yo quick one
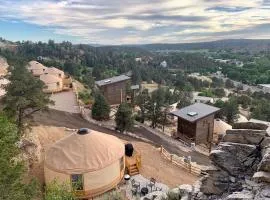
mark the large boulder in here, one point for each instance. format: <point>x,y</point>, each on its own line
<point>250,125</point>
<point>215,182</point>
<point>262,176</point>
<point>244,136</point>
<point>243,195</point>
<point>233,157</point>
<point>265,162</point>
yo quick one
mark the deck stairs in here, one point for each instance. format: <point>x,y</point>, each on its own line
<point>133,163</point>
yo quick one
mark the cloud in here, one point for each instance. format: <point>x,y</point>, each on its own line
<point>142,21</point>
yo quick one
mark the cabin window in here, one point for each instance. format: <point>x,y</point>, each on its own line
<point>77,182</point>
<point>121,163</point>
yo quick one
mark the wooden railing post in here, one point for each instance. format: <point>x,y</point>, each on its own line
<point>171,157</point>
<point>161,149</point>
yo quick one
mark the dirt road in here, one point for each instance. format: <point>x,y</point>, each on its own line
<point>75,121</point>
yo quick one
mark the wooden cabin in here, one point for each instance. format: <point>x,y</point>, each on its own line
<point>195,123</point>
<point>114,89</point>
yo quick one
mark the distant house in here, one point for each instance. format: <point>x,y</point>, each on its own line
<point>52,83</point>
<point>36,68</point>
<point>203,99</point>
<point>114,88</point>
<point>163,64</point>
<point>196,123</point>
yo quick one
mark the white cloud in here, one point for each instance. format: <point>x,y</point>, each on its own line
<point>140,21</point>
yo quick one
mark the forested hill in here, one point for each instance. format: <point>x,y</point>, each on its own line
<point>233,44</point>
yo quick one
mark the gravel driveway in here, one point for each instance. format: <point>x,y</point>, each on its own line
<point>65,101</point>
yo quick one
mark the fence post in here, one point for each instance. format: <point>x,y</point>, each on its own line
<point>190,167</point>
<point>161,149</point>
<point>171,157</point>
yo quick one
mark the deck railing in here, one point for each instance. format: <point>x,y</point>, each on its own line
<point>192,167</point>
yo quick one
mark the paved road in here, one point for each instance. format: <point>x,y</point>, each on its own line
<point>75,121</point>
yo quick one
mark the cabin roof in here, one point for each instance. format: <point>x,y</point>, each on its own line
<point>195,112</point>
<point>112,80</point>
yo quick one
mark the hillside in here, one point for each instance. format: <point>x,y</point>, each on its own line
<point>234,44</point>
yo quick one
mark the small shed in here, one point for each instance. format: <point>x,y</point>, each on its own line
<point>196,123</point>
<point>114,89</point>
<point>90,162</point>
<point>52,83</point>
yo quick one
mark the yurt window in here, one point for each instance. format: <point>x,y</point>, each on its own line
<point>77,181</point>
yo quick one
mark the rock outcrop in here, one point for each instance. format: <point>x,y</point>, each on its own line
<point>241,167</point>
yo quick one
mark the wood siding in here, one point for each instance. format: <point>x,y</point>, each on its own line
<point>204,130</point>
<point>200,132</point>
<point>115,93</point>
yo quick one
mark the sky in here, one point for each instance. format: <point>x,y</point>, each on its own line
<point>134,21</point>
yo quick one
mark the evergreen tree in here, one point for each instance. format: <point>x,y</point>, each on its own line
<point>24,96</point>
<point>13,186</point>
<point>100,109</point>
<point>123,118</point>
<point>231,110</point>
<point>142,100</point>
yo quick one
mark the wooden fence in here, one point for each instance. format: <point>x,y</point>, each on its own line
<point>192,167</point>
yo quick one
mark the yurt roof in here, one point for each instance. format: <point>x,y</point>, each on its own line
<point>84,153</point>
<point>48,78</point>
<point>53,70</point>
<point>34,65</point>
<point>220,127</point>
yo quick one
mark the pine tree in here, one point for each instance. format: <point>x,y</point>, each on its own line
<point>100,109</point>
<point>24,96</point>
<point>123,118</point>
<point>12,184</point>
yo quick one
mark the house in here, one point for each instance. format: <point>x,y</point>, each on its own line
<point>36,68</point>
<point>114,89</point>
<point>3,66</point>
<point>89,162</point>
<point>195,123</point>
<point>52,83</point>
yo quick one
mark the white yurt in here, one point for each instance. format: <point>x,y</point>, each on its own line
<point>54,71</point>
<point>52,83</point>
<point>36,68</point>
<point>90,161</point>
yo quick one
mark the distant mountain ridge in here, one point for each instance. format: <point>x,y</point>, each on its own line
<point>234,44</point>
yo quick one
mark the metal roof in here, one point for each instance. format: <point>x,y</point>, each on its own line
<point>201,110</point>
<point>111,80</point>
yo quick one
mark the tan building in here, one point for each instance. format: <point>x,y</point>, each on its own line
<point>3,66</point>
<point>36,68</point>
<point>196,123</point>
<point>91,162</point>
<point>52,83</point>
<point>54,71</point>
